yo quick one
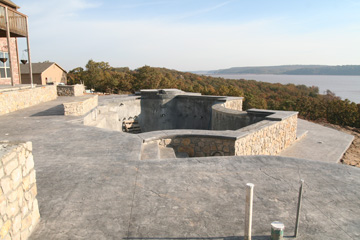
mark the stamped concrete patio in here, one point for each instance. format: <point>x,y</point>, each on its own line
<point>92,185</point>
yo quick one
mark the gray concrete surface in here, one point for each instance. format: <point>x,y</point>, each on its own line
<point>320,143</point>
<point>92,185</point>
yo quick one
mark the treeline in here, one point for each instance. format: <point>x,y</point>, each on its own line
<point>311,105</point>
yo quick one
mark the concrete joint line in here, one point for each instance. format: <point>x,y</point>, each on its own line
<point>133,199</point>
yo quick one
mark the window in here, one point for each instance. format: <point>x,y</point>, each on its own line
<point>5,67</point>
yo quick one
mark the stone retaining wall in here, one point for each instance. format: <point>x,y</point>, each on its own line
<point>15,100</point>
<point>270,136</point>
<point>18,204</point>
<point>80,108</point>
<point>70,90</point>
<point>197,146</point>
<point>270,139</point>
<point>234,104</point>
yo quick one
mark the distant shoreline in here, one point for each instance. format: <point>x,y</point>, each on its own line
<point>214,74</point>
<point>340,70</point>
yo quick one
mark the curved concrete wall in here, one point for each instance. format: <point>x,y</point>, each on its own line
<point>269,136</point>
<point>160,110</point>
<point>111,113</point>
<point>173,109</point>
<point>229,119</point>
<point>186,123</point>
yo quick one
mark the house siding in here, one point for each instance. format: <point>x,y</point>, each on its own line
<point>53,74</point>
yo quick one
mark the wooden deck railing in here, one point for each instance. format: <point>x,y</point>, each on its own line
<point>17,22</point>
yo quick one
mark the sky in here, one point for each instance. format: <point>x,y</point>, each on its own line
<point>193,35</point>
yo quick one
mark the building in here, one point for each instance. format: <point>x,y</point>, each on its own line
<point>13,25</point>
<point>43,73</point>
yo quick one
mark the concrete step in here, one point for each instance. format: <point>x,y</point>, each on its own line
<point>150,151</point>
<point>166,152</point>
<point>300,133</point>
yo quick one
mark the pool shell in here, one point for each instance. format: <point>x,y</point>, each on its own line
<point>196,125</point>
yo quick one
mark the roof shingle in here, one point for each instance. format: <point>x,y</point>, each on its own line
<point>37,68</point>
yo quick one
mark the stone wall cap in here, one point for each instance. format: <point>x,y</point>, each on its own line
<point>226,110</point>
<point>205,97</point>
<point>81,99</point>
<point>117,100</point>
<point>156,135</point>
<point>7,146</point>
<point>275,115</point>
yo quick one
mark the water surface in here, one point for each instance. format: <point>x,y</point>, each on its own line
<point>343,86</point>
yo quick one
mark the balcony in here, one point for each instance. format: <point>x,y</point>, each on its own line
<point>17,23</point>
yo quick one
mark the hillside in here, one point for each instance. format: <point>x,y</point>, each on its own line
<point>293,70</point>
<point>306,100</point>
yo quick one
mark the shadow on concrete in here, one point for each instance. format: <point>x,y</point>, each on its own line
<point>54,111</point>
<point>204,238</point>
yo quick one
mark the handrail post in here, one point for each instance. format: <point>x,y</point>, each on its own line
<point>29,55</point>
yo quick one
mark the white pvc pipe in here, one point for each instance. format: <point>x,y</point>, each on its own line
<point>248,210</point>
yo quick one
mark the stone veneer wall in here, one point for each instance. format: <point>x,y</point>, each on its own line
<point>70,90</point>
<point>197,146</point>
<point>235,104</point>
<point>267,137</point>
<point>18,204</point>
<point>81,107</point>
<point>268,140</point>
<point>18,99</point>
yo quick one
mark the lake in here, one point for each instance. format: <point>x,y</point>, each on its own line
<point>343,86</point>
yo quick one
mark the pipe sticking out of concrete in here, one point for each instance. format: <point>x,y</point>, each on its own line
<point>277,231</point>
<point>299,208</point>
<point>248,210</point>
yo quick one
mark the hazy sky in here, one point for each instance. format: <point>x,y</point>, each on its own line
<point>193,34</point>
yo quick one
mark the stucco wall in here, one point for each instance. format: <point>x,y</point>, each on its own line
<point>14,58</point>
<point>15,100</point>
<point>53,74</point>
<point>18,204</point>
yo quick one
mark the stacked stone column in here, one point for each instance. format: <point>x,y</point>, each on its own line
<point>18,204</point>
